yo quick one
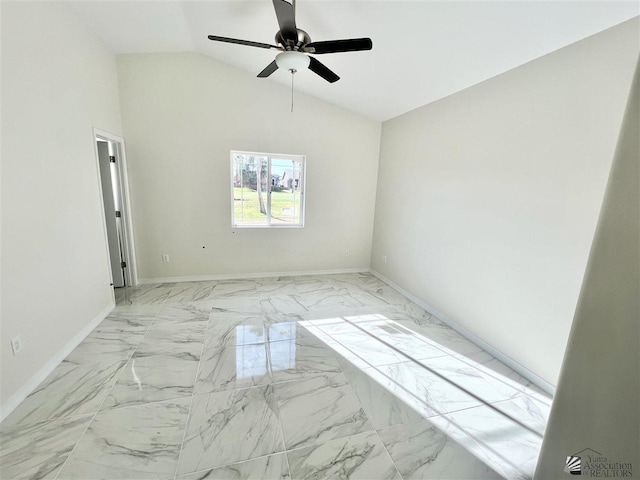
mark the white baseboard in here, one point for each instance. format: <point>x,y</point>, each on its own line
<point>23,392</point>
<point>511,363</point>
<point>238,276</point>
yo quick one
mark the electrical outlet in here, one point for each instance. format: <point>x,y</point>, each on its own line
<point>165,258</point>
<point>16,344</point>
<point>383,258</point>
<point>347,253</point>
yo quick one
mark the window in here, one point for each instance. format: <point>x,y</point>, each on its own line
<point>267,190</point>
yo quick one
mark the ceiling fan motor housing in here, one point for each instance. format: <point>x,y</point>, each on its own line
<point>302,39</point>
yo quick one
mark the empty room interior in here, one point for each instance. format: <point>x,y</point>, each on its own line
<point>398,240</point>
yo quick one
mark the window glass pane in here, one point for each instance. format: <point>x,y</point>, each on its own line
<point>267,190</point>
<point>250,190</point>
<point>286,181</point>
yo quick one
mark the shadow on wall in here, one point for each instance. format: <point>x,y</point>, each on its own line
<point>602,359</point>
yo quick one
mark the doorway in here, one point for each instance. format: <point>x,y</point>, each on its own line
<point>117,214</point>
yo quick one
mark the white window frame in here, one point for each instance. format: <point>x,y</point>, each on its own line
<point>301,186</point>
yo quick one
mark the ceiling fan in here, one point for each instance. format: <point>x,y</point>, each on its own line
<point>295,45</point>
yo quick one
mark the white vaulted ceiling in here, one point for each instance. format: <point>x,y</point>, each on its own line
<point>422,50</point>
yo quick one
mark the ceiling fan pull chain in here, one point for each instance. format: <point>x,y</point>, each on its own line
<point>293,71</point>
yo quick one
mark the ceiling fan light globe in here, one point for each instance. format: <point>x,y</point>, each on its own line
<point>291,60</point>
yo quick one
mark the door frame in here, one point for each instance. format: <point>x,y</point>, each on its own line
<point>129,251</point>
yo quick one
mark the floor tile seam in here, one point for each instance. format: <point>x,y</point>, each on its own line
<point>166,354</point>
<point>280,425</point>
<point>324,442</point>
<point>144,404</point>
<point>490,453</point>
<point>263,342</point>
<point>262,385</point>
<point>235,296</point>
<point>523,390</point>
<point>142,337</point>
<point>520,396</point>
<point>423,417</point>
<point>185,301</point>
<point>437,404</point>
<point>423,338</point>
<point>370,365</point>
<point>355,392</point>
<point>449,438</point>
<point>226,465</point>
<point>270,376</point>
<point>394,362</point>
<point>266,388</point>
<point>123,316</point>
<point>193,395</point>
<point>487,371</point>
<point>296,292</point>
<point>160,322</point>
<point>384,446</point>
<point>498,393</point>
<point>346,383</point>
<point>191,330</point>
<point>286,459</point>
<point>374,427</point>
<point>238,319</point>
<point>493,459</point>
<point>94,415</point>
<point>243,294</point>
<point>184,433</point>
<point>343,345</point>
<point>193,303</point>
<point>126,362</point>
<point>19,426</point>
<point>491,405</point>
<point>296,379</point>
<point>134,303</point>
<point>44,423</point>
<point>118,334</point>
<point>92,363</point>
<point>190,299</point>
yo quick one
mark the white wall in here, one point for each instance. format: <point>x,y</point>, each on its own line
<point>57,83</point>
<point>597,403</point>
<point>487,200</point>
<point>183,113</point>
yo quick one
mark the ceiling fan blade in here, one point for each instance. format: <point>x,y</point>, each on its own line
<point>268,70</point>
<point>336,46</point>
<point>286,19</point>
<point>242,42</point>
<point>316,67</point>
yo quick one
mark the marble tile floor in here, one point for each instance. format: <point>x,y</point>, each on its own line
<point>314,377</point>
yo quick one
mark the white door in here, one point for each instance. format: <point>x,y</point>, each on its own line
<point>111,212</point>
